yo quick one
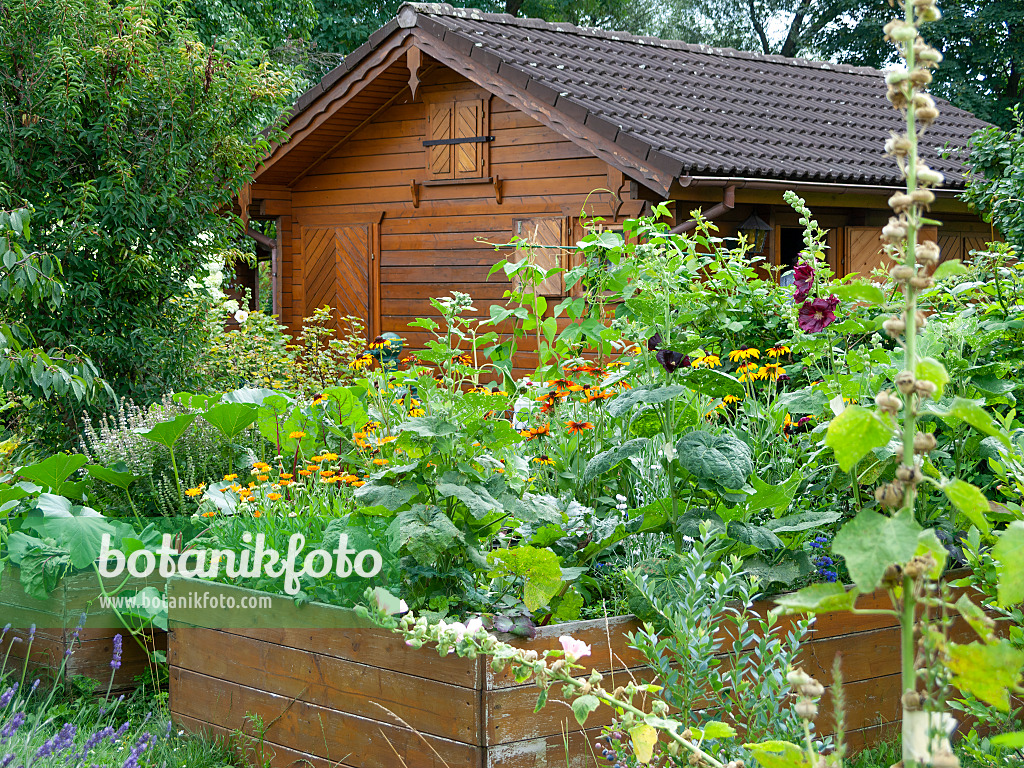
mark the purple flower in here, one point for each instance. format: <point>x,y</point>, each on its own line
<point>120,731</point>
<point>6,696</point>
<point>61,742</point>
<point>8,759</point>
<point>672,361</point>
<point>115,661</point>
<point>144,743</point>
<point>817,315</point>
<point>74,636</point>
<point>803,281</point>
<point>654,342</point>
<point>12,725</point>
<point>93,740</point>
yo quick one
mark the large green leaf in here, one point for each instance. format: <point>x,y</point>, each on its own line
<point>608,460</point>
<point>802,402</point>
<point>785,569</point>
<point>778,754</point>
<point>167,433</point>
<point>345,407</point>
<point>582,706</point>
<point>930,369</point>
<point>774,497</point>
<point>817,598</point>
<point>231,418</point>
<point>626,401</point>
<point>121,478</point>
<point>871,542</point>
<point>723,459</point>
<point>989,671</point>
<point>974,414</point>
<point>54,471</point>
<point>429,426</point>
<point>714,384</point>
<point>970,501</point>
<point>756,536</point>
<point>250,395</point>
<point>425,532</point>
<point>859,290</point>
<point>853,433</point>
<point>1010,564</point>
<point>80,535</point>
<point>42,568</point>
<point>805,521</point>
<point>477,499</point>
<point>391,497</point>
<point>538,568</point>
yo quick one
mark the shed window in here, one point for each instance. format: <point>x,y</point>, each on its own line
<point>456,145</point>
<point>547,236</point>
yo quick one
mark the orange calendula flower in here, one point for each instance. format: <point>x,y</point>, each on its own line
<point>358,484</point>
<point>328,457</point>
<point>263,478</point>
<point>229,478</point>
<point>380,462</point>
<point>545,460</point>
<point>349,479</point>
<point>273,496</point>
<point>211,513</point>
<point>296,435</point>
<point>193,492</point>
<point>286,483</point>
<point>575,427</point>
<point>779,350</point>
<point>286,476</point>
<point>258,513</point>
<point>327,473</point>
<point>388,439</point>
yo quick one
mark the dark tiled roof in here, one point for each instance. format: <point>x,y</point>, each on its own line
<point>693,110</point>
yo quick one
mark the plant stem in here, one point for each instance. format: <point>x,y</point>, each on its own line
<point>907,653</point>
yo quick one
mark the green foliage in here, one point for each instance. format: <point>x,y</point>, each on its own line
<point>129,138</point>
<point>995,186</point>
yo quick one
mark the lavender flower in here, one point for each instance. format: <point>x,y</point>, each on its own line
<point>7,760</point>
<point>74,636</point>
<point>120,731</point>
<point>144,743</point>
<point>115,661</point>
<point>6,696</point>
<point>12,725</point>
<point>61,742</point>
<point>93,740</point>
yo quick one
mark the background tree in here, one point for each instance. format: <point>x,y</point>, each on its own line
<point>128,136</point>
<point>982,42</point>
<point>995,158</point>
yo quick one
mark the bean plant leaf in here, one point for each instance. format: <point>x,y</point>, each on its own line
<point>716,384</point>
<point>625,401</point>
<point>859,291</point>
<point>930,369</point>
<point>538,568</point>
<point>974,414</point>
<point>231,418</point>
<point>167,433</point>
<point>989,671</point>
<point>582,706</point>
<point>778,754</point>
<point>643,737</point>
<point>1010,565</point>
<point>871,542</point>
<point>608,460</point>
<point>817,598</point>
<point>54,471</point>
<point>723,459</point>
<point>855,432</point>
<point>970,501</point>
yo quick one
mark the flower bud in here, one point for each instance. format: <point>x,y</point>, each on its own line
<point>812,689</point>
<point>905,382</point>
<point>899,31</point>
<point>920,77</point>
<point>897,76</point>
<point>797,677</point>
<point>894,327</point>
<point>890,495</point>
<point>927,253</point>
<point>901,273</point>
<point>924,442</point>
<point>908,475</point>
<point>922,100</point>
<point>897,97</point>
<point>929,177</point>
<point>806,709</point>
<point>921,282</point>
<point>892,576</point>
<point>928,56</point>
<point>929,13</point>
<point>925,389</point>
<point>900,202</point>
<point>888,402</point>
<point>911,700</point>
<point>926,115</point>
<point>897,146</point>
<point>923,196</point>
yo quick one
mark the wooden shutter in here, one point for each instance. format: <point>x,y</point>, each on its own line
<point>864,251</point>
<point>548,234</point>
<point>439,128</point>
<point>468,117</point>
<point>337,270</point>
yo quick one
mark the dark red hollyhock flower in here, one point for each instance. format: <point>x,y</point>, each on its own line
<point>654,342</point>
<point>671,361</point>
<point>817,315</point>
<point>804,281</point>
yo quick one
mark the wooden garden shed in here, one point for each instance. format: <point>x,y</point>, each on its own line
<point>451,126</point>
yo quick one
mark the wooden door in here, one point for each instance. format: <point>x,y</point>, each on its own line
<point>338,263</point>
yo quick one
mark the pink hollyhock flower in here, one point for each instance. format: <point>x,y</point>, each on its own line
<point>574,649</point>
<point>817,315</point>
<point>803,281</point>
<point>471,627</point>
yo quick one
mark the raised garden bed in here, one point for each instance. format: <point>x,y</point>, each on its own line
<point>334,691</point>
<point>55,619</point>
